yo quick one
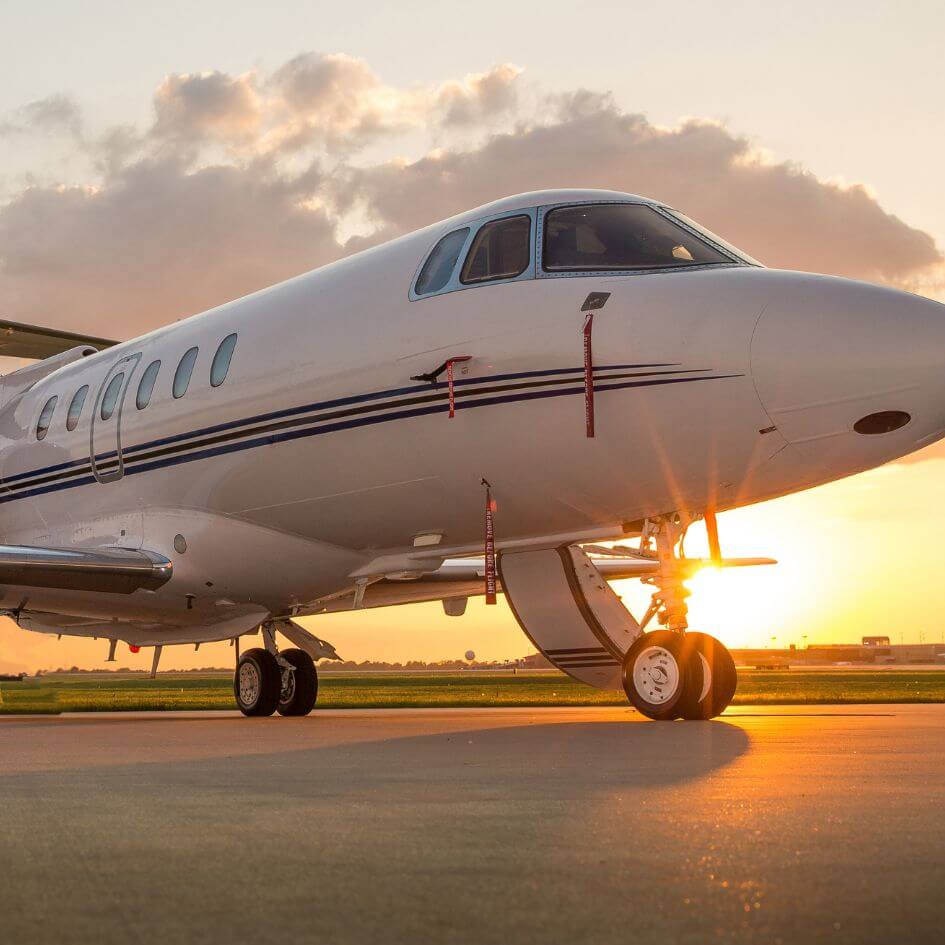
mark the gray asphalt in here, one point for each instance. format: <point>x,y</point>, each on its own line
<point>819,824</point>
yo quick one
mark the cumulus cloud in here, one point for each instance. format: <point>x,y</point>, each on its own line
<point>321,99</point>
<point>339,100</point>
<point>56,114</point>
<point>479,97</point>
<point>159,242</point>
<point>208,104</point>
<point>242,181</point>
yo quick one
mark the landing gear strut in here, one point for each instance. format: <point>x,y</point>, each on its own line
<point>671,673</point>
<point>268,680</point>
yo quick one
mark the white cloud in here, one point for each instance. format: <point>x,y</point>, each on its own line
<point>208,104</point>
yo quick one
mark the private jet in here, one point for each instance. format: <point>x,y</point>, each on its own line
<point>530,399</point>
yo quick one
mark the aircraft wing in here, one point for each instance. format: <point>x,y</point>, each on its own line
<point>464,577</point>
<point>111,570</point>
<point>30,341</point>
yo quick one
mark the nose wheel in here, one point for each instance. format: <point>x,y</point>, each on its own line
<point>714,669</point>
<point>656,672</point>
<point>669,675</point>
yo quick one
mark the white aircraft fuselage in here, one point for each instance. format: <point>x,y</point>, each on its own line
<point>319,458</point>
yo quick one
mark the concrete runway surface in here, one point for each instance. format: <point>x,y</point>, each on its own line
<point>807,824</point>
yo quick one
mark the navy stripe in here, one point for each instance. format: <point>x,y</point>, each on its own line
<point>430,394</point>
<point>376,395</point>
<point>320,405</point>
<point>577,660</point>
<point>577,650</point>
<point>568,667</point>
<point>309,431</point>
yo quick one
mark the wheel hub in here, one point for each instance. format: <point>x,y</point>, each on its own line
<point>249,684</point>
<point>288,687</point>
<point>656,675</point>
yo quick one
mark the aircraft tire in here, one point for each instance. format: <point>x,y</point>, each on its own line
<point>656,674</point>
<point>713,683</point>
<point>257,683</point>
<point>303,691</point>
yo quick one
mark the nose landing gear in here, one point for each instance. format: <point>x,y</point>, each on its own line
<point>672,673</point>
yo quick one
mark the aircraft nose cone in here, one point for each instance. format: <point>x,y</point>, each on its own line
<point>849,369</point>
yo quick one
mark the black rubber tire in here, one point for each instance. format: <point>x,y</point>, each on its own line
<point>269,683</point>
<point>676,646</point>
<point>708,697</point>
<point>305,691</point>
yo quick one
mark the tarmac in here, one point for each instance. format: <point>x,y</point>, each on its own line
<point>571,825</point>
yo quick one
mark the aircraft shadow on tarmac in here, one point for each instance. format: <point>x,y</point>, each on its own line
<point>283,757</point>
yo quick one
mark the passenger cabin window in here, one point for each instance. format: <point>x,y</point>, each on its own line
<point>75,407</point>
<point>183,372</point>
<point>110,399</point>
<point>45,417</point>
<point>146,385</point>
<point>500,251</point>
<point>221,360</point>
<point>619,237</point>
<point>440,264</point>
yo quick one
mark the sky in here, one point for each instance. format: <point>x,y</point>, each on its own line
<point>158,160</point>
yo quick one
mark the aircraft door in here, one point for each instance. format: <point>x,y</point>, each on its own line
<point>105,432</point>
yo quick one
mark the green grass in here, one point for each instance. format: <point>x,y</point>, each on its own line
<point>110,693</point>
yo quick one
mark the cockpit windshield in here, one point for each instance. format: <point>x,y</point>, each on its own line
<point>714,237</point>
<point>622,237</point>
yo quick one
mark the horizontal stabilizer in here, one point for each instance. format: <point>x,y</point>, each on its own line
<point>30,341</point>
<point>109,570</point>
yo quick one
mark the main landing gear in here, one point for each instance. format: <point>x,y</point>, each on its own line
<point>672,673</point>
<point>268,680</point>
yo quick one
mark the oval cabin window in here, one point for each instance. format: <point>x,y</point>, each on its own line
<point>110,399</point>
<point>221,360</point>
<point>45,417</point>
<point>183,373</point>
<point>146,387</point>
<point>75,407</point>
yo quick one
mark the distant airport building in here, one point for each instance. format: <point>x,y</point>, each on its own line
<point>875,650</point>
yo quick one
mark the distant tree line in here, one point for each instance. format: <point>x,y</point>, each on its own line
<point>535,661</point>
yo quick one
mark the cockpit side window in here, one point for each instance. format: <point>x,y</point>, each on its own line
<point>620,237</point>
<point>440,264</point>
<point>501,250</point>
